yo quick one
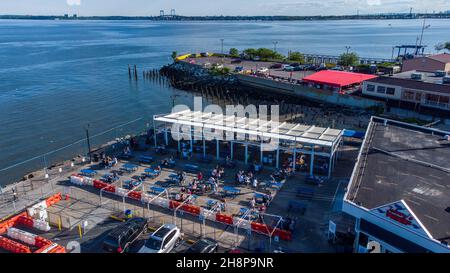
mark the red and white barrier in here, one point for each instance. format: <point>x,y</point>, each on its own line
<point>192,209</point>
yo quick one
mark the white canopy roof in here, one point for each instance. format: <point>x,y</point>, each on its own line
<point>306,134</point>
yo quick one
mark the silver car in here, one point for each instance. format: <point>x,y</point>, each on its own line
<point>163,240</point>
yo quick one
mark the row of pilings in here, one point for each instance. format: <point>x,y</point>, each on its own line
<point>225,91</point>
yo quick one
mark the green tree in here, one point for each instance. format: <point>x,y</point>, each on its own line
<point>297,56</point>
<point>349,59</point>
<point>447,46</point>
<point>234,52</point>
<point>250,52</point>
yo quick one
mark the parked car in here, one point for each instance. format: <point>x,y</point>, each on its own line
<point>206,65</point>
<point>288,68</point>
<point>263,70</point>
<point>122,237</point>
<point>338,68</point>
<point>274,66</point>
<point>294,64</point>
<point>204,54</point>
<point>236,61</point>
<point>218,66</point>
<point>163,240</point>
<point>205,245</point>
<point>238,69</point>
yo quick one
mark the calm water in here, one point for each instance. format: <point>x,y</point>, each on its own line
<point>56,77</point>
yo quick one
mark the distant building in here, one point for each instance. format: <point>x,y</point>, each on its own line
<point>428,63</point>
<point>427,91</point>
<point>399,191</point>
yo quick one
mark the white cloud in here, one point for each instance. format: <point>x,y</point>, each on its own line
<point>73,2</point>
<point>373,2</point>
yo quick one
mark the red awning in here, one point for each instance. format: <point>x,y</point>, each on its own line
<point>337,78</point>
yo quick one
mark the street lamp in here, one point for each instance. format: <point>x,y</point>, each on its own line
<point>275,46</point>
<point>347,47</point>
<point>88,142</point>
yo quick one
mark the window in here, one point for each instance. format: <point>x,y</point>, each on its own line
<point>390,91</point>
<point>169,237</point>
<point>418,96</point>
<point>381,89</point>
<point>408,95</point>
<point>370,88</point>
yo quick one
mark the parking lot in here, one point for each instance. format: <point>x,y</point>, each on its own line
<point>251,66</point>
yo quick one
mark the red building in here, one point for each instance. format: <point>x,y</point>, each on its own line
<point>339,81</point>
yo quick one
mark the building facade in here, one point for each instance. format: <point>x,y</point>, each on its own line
<point>412,92</point>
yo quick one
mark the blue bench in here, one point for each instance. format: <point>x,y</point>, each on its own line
<point>129,168</point>
<point>152,172</point>
<point>305,192</point>
<point>146,159</point>
<point>297,206</point>
<point>88,172</point>
<point>191,168</point>
<point>229,190</point>
<point>211,203</point>
<point>276,185</point>
<point>156,190</point>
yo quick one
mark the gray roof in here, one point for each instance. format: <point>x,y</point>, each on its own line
<point>399,162</point>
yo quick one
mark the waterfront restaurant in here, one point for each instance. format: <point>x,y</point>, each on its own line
<point>399,191</point>
<point>337,81</point>
<point>266,136</point>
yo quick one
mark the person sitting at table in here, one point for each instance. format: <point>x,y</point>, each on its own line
<point>158,169</point>
<point>200,176</point>
<point>255,182</point>
<point>253,203</point>
<point>223,206</point>
<point>114,161</point>
<point>241,179</point>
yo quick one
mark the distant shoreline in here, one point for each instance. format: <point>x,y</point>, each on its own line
<point>402,16</point>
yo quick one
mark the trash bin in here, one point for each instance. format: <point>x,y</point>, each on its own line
<point>128,214</point>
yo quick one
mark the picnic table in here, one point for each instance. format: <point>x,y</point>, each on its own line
<point>130,184</point>
<point>211,203</point>
<point>156,190</point>
<point>229,190</point>
<point>129,167</point>
<point>149,172</point>
<point>88,172</point>
<point>275,185</point>
<point>109,178</point>
<point>146,159</point>
<point>191,168</point>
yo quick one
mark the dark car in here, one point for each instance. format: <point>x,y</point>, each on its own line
<point>205,245</point>
<point>294,64</point>
<point>122,237</point>
<point>274,66</point>
<point>236,61</point>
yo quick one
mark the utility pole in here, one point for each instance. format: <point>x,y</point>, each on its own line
<point>423,29</point>
<point>275,46</point>
<point>88,142</point>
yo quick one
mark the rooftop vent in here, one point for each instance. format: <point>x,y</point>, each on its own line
<point>416,76</point>
<point>439,73</point>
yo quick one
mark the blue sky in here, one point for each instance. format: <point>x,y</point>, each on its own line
<point>218,7</point>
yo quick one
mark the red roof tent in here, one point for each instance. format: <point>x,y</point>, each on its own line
<point>337,78</point>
